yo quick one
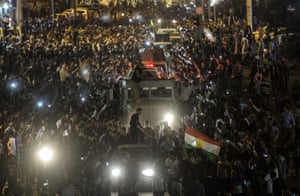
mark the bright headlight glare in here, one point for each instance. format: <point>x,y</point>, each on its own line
<point>46,154</point>
<point>148,172</point>
<point>116,172</point>
<point>169,118</point>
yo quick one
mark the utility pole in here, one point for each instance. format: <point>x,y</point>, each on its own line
<point>215,14</point>
<point>208,18</point>
<point>75,9</point>
<point>249,11</point>
<point>199,22</point>
<point>19,17</point>
<point>19,11</point>
<point>203,15</point>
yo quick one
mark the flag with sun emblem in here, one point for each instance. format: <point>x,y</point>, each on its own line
<point>11,146</point>
<point>195,139</point>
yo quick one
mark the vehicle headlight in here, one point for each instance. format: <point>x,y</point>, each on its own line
<point>148,172</point>
<point>116,172</point>
<point>45,154</point>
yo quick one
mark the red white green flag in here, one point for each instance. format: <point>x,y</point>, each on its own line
<point>195,139</point>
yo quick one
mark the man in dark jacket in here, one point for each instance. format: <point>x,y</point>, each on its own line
<point>136,128</point>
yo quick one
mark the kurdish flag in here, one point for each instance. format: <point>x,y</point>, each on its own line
<point>195,139</point>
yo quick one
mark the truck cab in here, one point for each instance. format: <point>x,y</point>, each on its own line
<point>157,98</point>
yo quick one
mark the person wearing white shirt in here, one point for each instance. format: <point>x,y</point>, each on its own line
<point>269,182</point>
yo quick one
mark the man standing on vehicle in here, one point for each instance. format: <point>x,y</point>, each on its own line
<point>136,128</point>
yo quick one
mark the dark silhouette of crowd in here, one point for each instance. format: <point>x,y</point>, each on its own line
<point>55,84</point>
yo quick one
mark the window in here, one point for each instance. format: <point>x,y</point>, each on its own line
<point>167,92</point>
<point>161,92</point>
<point>144,92</point>
<point>130,93</point>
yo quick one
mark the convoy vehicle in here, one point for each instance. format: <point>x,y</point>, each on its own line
<point>59,16</point>
<point>157,98</point>
<point>155,92</point>
<point>69,13</point>
<point>160,99</point>
<point>154,58</point>
<point>133,170</point>
<point>172,32</point>
<point>165,37</point>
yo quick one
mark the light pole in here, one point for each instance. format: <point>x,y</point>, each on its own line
<point>19,11</point>
<point>4,10</point>
<point>249,14</point>
<point>53,10</point>
<point>75,8</point>
<point>215,14</point>
<point>213,3</point>
<point>202,5</point>
<point>2,34</point>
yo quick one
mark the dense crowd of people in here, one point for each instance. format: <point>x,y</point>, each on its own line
<point>55,78</point>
